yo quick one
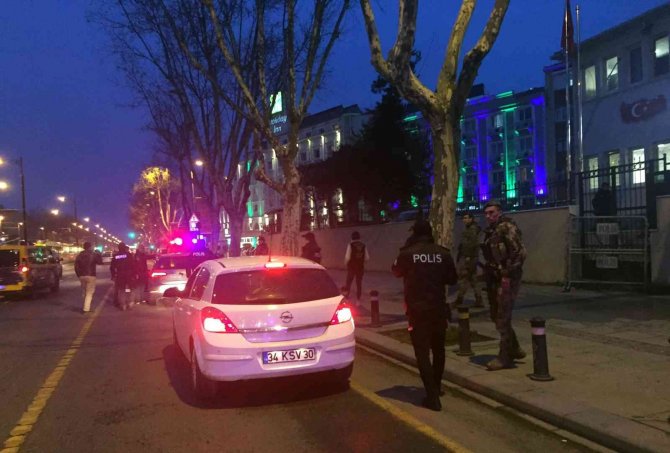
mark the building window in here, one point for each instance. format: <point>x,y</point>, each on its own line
<point>470,152</point>
<point>636,65</point>
<point>525,146</point>
<point>592,167</point>
<point>613,160</point>
<point>525,114</point>
<point>469,126</point>
<point>661,56</point>
<point>497,121</point>
<point>612,73</point>
<point>496,153</point>
<point>638,165</point>
<point>590,87</point>
<point>664,152</point>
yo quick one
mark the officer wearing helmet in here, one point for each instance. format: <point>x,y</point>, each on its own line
<point>124,273</point>
<point>426,268</point>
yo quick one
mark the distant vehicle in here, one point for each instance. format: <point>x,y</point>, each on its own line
<point>410,215</point>
<point>107,257</point>
<point>249,318</point>
<point>25,269</point>
<point>171,271</point>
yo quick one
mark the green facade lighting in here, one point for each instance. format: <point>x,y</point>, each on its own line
<point>250,209</point>
<point>505,94</point>
<point>414,201</point>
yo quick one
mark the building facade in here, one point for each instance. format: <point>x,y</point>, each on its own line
<point>625,82</point>
<point>321,135</point>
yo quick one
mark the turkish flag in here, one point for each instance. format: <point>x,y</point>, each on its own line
<point>568,35</point>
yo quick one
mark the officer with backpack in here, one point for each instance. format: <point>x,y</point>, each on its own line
<point>84,268</point>
<point>354,260</point>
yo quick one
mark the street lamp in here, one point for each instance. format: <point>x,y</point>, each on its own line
<point>4,185</point>
<point>63,199</point>
<point>19,162</point>
<point>55,211</point>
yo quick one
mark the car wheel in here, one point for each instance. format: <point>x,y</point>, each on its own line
<point>56,286</point>
<point>203,387</point>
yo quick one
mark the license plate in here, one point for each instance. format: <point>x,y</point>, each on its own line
<point>291,355</point>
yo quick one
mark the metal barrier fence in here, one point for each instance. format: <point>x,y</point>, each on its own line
<point>611,249</point>
<point>519,197</point>
<point>632,191</point>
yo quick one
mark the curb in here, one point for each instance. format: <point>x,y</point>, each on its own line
<point>609,430</point>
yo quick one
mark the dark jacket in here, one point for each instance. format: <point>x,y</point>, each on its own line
<point>604,203</point>
<point>262,249</point>
<point>469,246</point>
<point>356,255</point>
<point>311,251</point>
<point>503,248</point>
<point>123,268</point>
<point>84,264</point>
<point>426,269</point>
<point>141,265</point>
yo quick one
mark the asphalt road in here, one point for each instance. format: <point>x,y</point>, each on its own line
<point>111,381</point>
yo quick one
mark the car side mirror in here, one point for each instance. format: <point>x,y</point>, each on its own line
<point>172,292</point>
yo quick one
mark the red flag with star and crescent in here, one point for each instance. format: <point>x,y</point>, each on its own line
<point>568,35</point>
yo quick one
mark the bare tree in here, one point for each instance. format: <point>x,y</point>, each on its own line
<point>444,106</point>
<point>304,46</point>
<point>197,114</point>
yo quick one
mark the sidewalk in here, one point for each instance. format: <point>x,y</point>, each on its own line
<point>608,352</point>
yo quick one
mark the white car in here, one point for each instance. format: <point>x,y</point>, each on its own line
<point>107,257</point>
<point>249,318</point>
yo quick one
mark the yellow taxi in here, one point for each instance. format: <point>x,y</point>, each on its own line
<point>25,269</point>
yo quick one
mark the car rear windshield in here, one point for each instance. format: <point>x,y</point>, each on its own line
<point>273,286</point>
<point>9,258</point>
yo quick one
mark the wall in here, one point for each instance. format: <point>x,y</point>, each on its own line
<point>660,243</point>
<point>544,234</point>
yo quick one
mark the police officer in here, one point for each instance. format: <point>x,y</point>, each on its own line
<point>426,268</point>
<point>354,260</point>
<point>504,253</point>
<point>142,269</point>
<point>262,247</point>
<point>311,250</point>
<point>468,255</point>
<point>124,274</point>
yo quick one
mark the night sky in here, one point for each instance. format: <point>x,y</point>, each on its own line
<point>66,110</point>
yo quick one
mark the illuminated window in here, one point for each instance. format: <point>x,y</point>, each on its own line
<point>590,82</point>
<point>664,152</point>
<point>636,65</point>
<point>497,121</point>
<point>613,160</point>
<point>592,166</point>
<point>638,165</point>
<point>661,56</point>
<point>612,73</point>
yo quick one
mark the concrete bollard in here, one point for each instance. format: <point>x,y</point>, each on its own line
<point>464,347</point>
<point>374,309</point>
<point>540,359</point>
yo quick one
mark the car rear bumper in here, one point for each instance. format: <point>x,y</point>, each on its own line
<point>242,360</point>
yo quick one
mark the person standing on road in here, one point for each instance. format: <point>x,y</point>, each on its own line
<point>466,259</point>
<point>141,259</point>
<point>426,268</point>
<point>354,260</point>
<point>84,268</point>
<point>262,247</point>
<point>311,250</point>
<point>505,254</point>
<point>124,275</point>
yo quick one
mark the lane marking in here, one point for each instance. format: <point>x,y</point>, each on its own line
<point>413,422</point>
<point>17,436</point>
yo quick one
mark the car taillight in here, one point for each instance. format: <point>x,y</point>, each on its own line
<point>342,314</point>
<point>24,269</point>
<point>214,320</point>
<point>158,274</point>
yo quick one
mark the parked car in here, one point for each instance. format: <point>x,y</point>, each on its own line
<point>107,257</point>
<point>25,269</point>
<point>172,271</point>
<point>410,215</point>
<point>249,318</point>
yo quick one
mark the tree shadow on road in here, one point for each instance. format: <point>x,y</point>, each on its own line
<point>254,393</point>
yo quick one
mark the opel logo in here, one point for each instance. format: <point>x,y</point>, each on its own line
<point>286,317</point>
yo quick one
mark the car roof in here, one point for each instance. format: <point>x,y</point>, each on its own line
<point>258,262</point>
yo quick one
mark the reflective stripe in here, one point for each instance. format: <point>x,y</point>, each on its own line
<point>465,315</point>
<point>537,330</point>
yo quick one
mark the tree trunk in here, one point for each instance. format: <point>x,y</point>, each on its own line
<point>445,186</point>
<point>236,228</point>
<point>292,204</point>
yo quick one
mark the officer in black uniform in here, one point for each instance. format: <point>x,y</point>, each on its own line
<point>124,274</point>
<point>426,269</point>
<point>311,250</point>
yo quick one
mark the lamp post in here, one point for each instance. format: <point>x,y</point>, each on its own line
<point>63,199</point>
<point>4,185</point>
